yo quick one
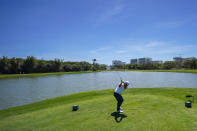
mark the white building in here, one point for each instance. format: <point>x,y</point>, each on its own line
<point>133,61</point>
<point>144,60</point>
<point>118,63</point>
<point>178,59</point>
<point>189,58</point>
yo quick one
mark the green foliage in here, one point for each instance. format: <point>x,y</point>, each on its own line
<point>67,67</point>
<point>118,67</point>
<point>132,66</point>
<point>148,66</point>
<point>16,65</point>
<point>33,65</point>
<point>191,64</point>
<point>4,65</point>
<point>41,66</point>
<point>169,64</point>
<point>56,65</point>
<point>85,66</point>
<point>102,67</point>
<point>29,64</point>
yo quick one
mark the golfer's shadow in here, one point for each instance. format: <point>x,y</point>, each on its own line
<point>118,117</point>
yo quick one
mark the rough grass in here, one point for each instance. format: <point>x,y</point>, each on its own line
<point>149,109</point>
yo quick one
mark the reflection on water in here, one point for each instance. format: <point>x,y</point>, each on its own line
<point>21,91</point>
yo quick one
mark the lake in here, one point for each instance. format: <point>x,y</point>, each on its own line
<point>20,91</point>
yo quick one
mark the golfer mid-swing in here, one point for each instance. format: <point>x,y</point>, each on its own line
<point>117,94</point>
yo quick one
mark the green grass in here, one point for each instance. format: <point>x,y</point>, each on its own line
<point>6,76</point>
<point>149,109</point>
<point>163,70</point>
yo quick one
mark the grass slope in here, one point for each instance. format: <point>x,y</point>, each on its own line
<point>149,109</point>
<point>165,70</point>
<point>6,76</point>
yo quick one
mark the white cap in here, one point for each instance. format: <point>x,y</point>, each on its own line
<point>127,82</point>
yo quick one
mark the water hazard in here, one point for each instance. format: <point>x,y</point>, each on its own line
<point>20,91</point>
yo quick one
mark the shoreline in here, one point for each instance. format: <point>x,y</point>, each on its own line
<point>83,95</point>
<point>93,93</point>
<point>162,70</point>
<point>7,76</point>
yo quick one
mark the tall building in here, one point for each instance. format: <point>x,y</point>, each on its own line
<point>178,59</point>
<point>118,63</point>
<point>144,60</point>
<point>133,61</point>
<point>189,58</point>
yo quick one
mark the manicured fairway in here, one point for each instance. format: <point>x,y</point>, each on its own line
<point>149,109</point>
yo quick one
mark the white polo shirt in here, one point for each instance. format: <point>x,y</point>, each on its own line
<point>119,90</point>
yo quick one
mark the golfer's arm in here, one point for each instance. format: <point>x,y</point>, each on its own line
<point>120,84</point>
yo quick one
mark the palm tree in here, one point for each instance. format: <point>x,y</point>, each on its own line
<point>94,62</point>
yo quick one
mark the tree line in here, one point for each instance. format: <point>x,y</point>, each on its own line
<point>33,65</point>
<point>186,64</point>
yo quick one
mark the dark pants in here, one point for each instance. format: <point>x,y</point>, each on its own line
<point>119,100</point>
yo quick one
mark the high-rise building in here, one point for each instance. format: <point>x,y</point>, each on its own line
<point>133,61</point>
<point>178,59</point>
<point>144,60</point>
<point>118,63</point>
<point>189,58</point>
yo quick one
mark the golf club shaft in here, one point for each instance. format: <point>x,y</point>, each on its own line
<point>119,76</point>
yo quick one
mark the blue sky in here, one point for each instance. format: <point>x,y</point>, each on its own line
<point>80,30</point>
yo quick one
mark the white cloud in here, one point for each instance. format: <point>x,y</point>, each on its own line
<point>160,48</point>
<point>121,51</point>
<point>114,11</point>
<point>170,24</point>
<point>156,49</point>
<point>100,50</point>
<point>111,13</point>
<point>154,44</point>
